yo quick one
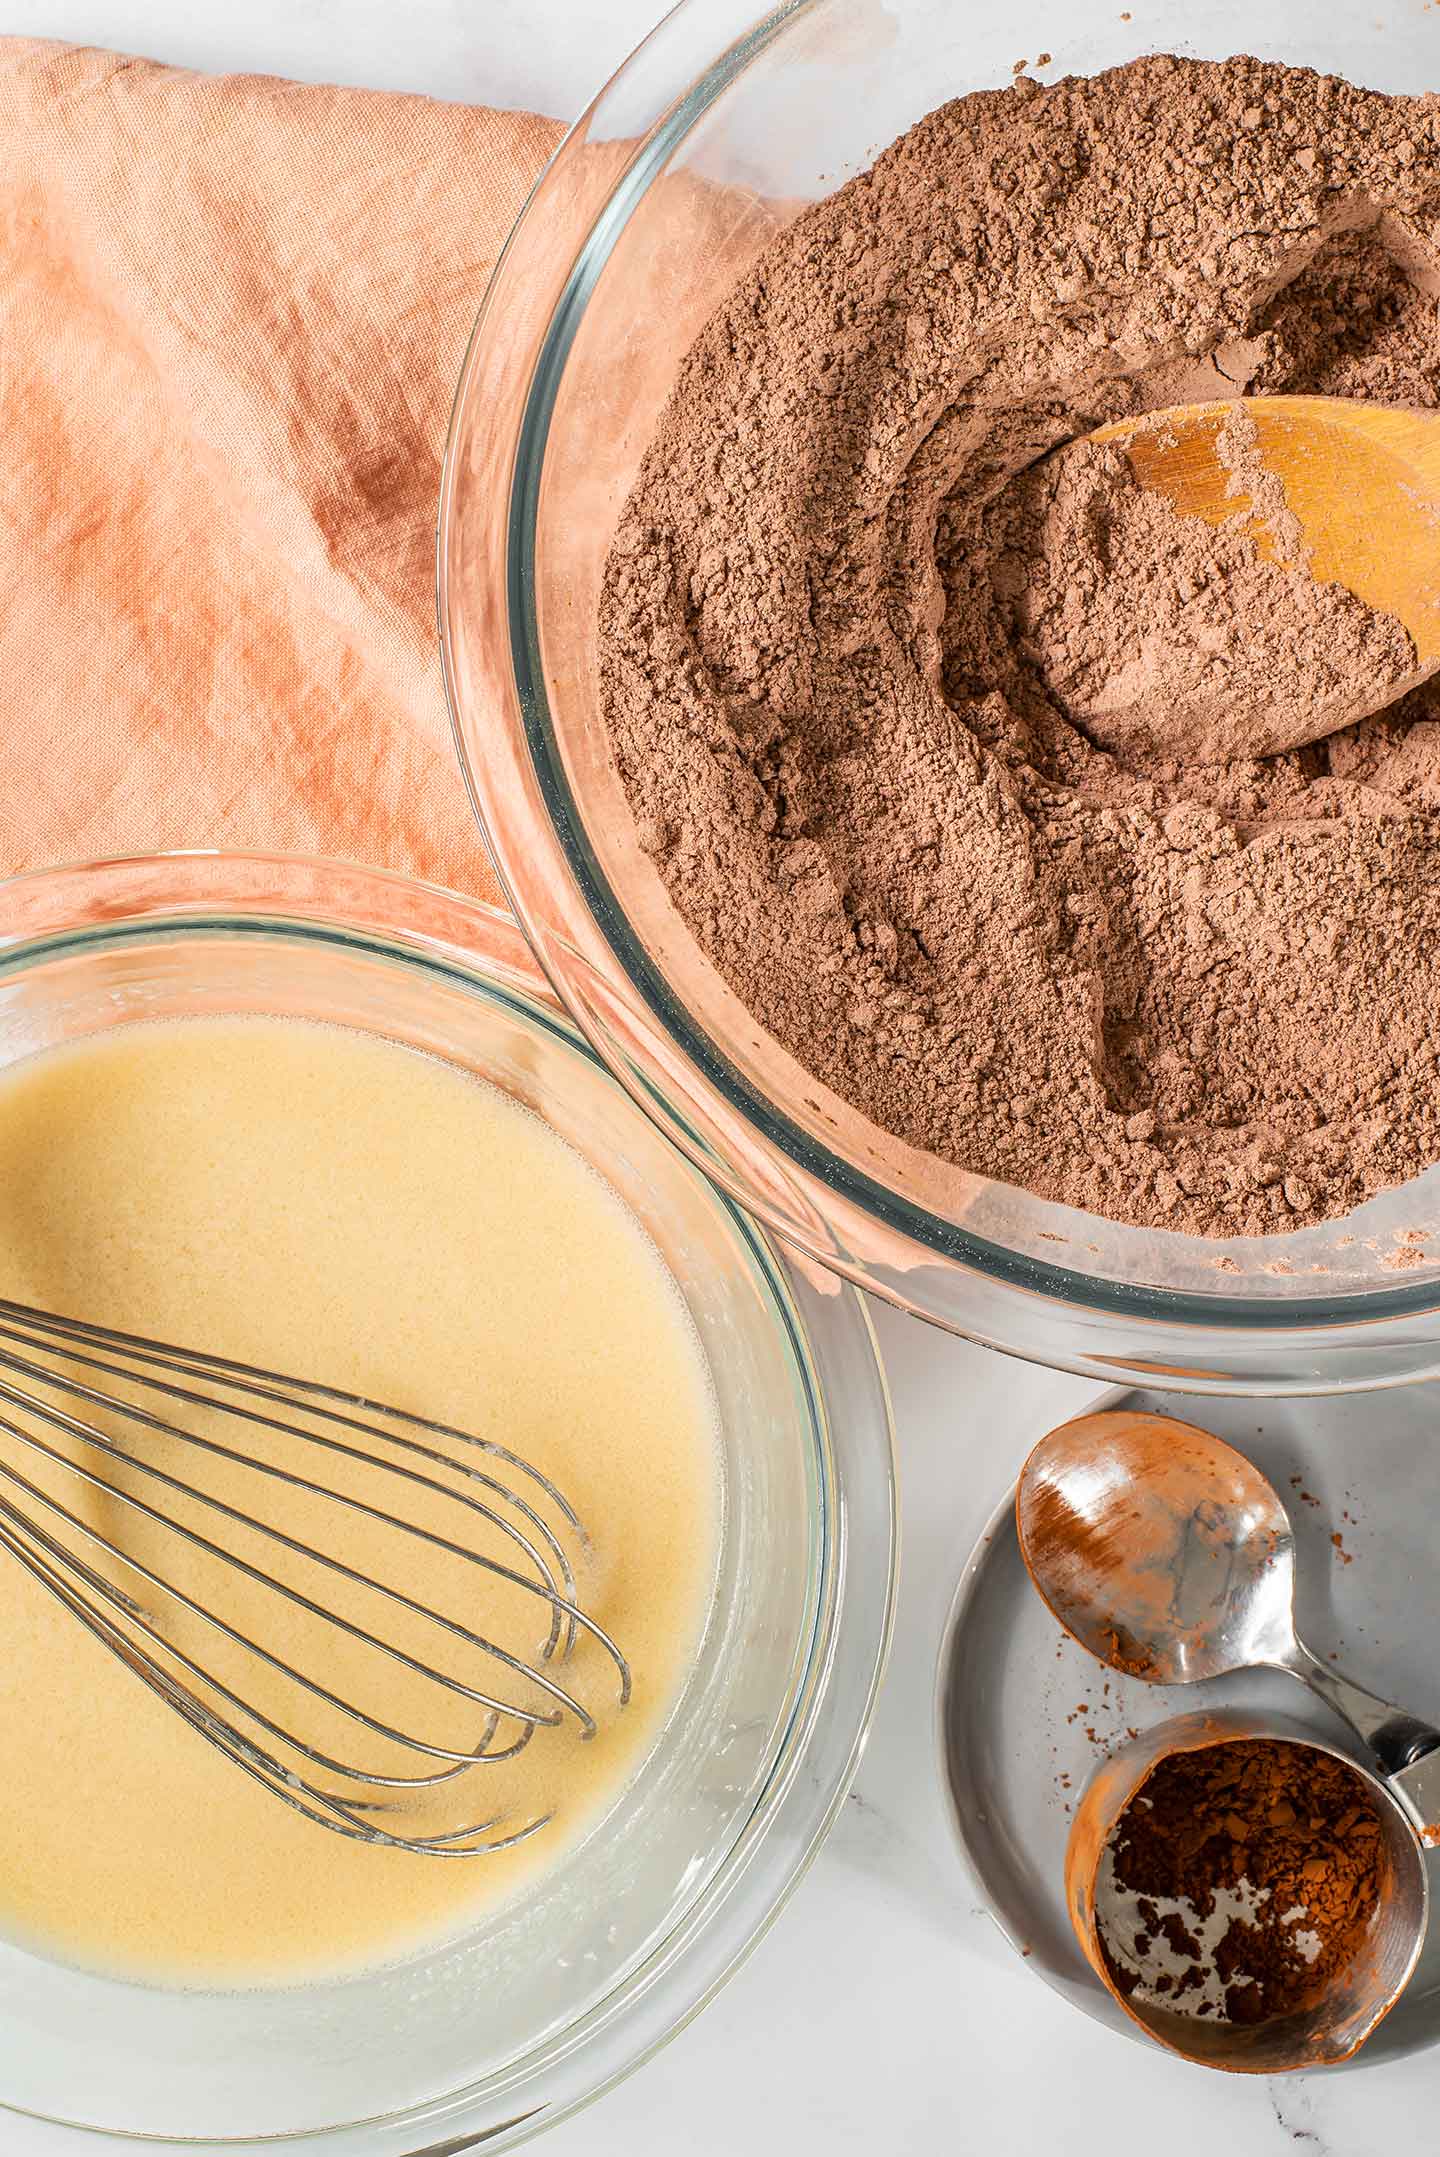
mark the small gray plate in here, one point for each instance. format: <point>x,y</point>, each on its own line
<point>1025,1716</point>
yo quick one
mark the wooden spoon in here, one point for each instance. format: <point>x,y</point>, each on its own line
<point>1361,508</point>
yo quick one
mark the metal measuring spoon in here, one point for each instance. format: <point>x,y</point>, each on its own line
<point>1169,1556</point>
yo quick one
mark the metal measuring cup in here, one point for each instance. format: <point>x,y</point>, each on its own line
<point>1336,2026</point>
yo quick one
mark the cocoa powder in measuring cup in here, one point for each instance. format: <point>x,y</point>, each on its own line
<point>1243,1881</point>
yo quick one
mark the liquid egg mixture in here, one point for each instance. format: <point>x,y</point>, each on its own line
<point>324,1203</point>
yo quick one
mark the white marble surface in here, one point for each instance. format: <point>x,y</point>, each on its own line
<point>883,2013</point>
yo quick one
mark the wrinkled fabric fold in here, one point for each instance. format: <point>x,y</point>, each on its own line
<point>232,314</point>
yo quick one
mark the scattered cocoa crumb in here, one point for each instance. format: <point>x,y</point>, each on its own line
<point>1123,1652</point>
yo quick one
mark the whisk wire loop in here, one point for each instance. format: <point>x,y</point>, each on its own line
<point>54,1367</point>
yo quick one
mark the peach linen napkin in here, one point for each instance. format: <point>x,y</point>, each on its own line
<point>232,313</point>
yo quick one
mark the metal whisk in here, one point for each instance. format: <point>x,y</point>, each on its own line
<point>291,1568</point>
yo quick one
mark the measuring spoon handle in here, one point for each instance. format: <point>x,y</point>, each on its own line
<point>1400,1742</point>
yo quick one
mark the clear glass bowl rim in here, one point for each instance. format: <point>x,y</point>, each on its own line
<point>49,913</point>
<point>1319,1327</point>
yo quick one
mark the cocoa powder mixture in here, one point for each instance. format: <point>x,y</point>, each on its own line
<point>1289,1837</point>
<point>1158,638</point>
<point>907,773</point>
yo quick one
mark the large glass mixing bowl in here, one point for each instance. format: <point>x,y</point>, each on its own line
<point>595,1961</point>
<point>598,296</point>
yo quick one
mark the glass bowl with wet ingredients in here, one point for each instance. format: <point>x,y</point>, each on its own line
<point>594,1960</point>
<point>592,308</point>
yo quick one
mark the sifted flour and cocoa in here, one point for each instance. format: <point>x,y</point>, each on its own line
<point>909,785</point>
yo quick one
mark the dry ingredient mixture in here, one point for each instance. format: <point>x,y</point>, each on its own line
<point>1241,1881</point>
<point>905,775</point>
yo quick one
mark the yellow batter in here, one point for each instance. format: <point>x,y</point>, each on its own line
<point>322,1202</point>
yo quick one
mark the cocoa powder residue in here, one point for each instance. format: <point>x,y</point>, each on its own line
<point>1282,1843</point>
<point>1202,994</point>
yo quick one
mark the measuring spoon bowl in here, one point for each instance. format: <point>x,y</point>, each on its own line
<point>1170,1557</point>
